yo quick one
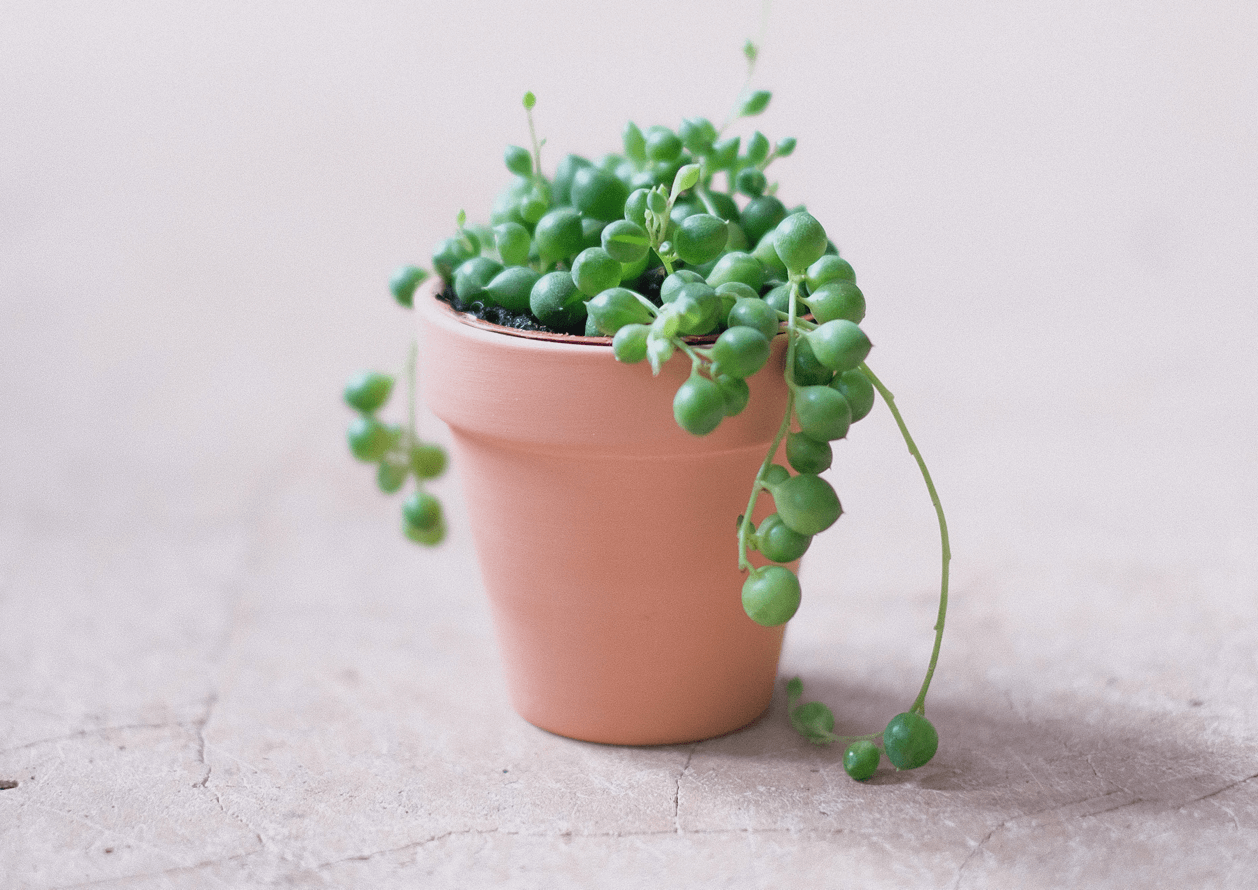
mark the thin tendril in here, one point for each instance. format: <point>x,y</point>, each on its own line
<point>744,527</point>
<point>410,391</point>
<point>537,148</point>
<point>919,704</point>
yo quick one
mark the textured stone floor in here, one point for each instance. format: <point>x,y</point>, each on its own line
<point>220,664</point>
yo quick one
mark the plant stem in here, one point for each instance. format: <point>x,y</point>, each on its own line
<point>410,390</point>
<point>919,704</point>
<point>651,307</point>
<point>537,148</point>
<point>706,197</point>
<point>744,527</point>
<point>697,357</point>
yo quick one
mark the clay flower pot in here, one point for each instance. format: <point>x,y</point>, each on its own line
<point>605,533</point>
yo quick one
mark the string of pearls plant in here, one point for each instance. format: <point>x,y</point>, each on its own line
<point>646,247</point>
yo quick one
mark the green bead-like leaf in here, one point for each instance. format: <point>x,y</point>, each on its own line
<point>737,266</point>
<point>700,238</point>
<point>736,393</point>
<point>558,235</point>
<point>740,352</point>
<point>594,271</point>
<point>369,439</point>
<point>697,135</point>
<point>428,461</point>
<point>662,144</point>
<point>697,309</point>
<point>808,455</point>
<point>561,185</point>
<point>513,242</point>
<point>771,595</point>
<point>472,275</point>
<point>840,345</point>
<point>755,103</point>
<point>751,182</point>
<point>807,503</point>
<point>800,241</point>
<point>757,148</point>
<point>367,391</point>
<point>391,477</point>
<point>724,153</point>
<point>699,406</point>
<point>761,216</point>
<point>814,721</point>
<point>860,760</point>
<point>809,371</point>
<point>557,303</point>
<point>634,142</point>
<point>686,179</point>
<point>506,207</point>
<point>752,312</point>
<point>421,510</point>
<point>404,282</point>
<point>629,343</point>
<point>511,287</point>
<point>598,193</point>
<point>837,299</point>
<point>429,537</point>
<point>854,386</point>
<point>910,740</point>
<point>822,412</point>
<point>625,241</point>
<point>830,267</point>
<point>518,160</point>
<point>778,542</point>
<point>616,307</point>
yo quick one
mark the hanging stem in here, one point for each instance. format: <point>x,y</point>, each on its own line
<point>919,704</point>
<point>529,101</point>
<point>410,390</point>
<point>744,527</point>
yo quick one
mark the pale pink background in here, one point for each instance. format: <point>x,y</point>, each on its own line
<point>1052,208</point>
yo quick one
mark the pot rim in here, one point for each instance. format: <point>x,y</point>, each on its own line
<point>435,285</point>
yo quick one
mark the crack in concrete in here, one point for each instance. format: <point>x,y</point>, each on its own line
<point>103,829</point>
<point>1170,805</point>
<point>1227,787</point>
<point>264,497</point>
<point>1235,822</point>
<point>202,746</point>
<point>977,849</point>
<point>677,788</point>
<point>594,835</point>
<point>100,730</point>
<point>182,869</point>
<point>1087,758</point>
<point>1119,806</point>
<point>1167,806</point>
<point>199,725</point>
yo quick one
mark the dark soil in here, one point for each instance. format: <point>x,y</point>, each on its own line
<point>648,285</point>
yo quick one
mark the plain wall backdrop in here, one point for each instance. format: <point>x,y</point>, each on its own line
<point>1052,208</point>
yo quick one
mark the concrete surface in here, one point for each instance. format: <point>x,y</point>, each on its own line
<point>220,664</point>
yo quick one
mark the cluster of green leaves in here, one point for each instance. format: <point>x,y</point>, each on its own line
<point>678,244</point>
<point>909,739</point>
<point>555,244</point>
<point>397,451</point>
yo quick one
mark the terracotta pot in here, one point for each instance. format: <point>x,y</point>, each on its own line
<point>605,533</point>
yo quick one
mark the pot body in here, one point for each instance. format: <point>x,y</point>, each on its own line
<point>605,533</point>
